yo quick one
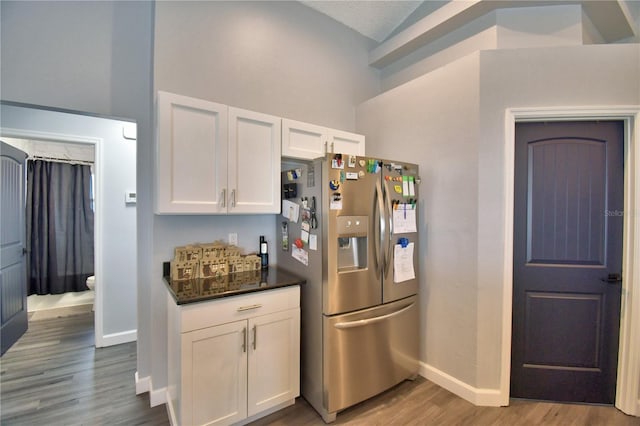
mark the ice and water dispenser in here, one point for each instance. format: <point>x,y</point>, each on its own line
<point>352,242</point>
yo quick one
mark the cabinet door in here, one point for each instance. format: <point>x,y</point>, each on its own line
<point>346,143</point>
<point>191,155</point>
<point>254,162</point>
<point>274,359</point>
<point>303,140</point>
<point>214,374</point>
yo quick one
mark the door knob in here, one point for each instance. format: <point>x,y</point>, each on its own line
<point>612,279</point>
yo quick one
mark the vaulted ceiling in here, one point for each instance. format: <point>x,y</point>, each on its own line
<point>374,19</point>
<point>400,25</point>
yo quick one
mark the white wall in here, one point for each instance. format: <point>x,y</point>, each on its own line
<point>523,27</point>
<point>279,58</point>
<point>463,193</point>
<point>59,150</point>
<point>116,222</point>
<point>50,49</point>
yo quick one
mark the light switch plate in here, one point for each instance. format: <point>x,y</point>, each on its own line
<point>233,239</point>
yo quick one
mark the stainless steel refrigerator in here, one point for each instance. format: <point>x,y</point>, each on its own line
<point>349,226</point>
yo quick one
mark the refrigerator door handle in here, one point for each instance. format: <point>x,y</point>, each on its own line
<point>388,216</point>
<point>379,228</point>
<point>369,321</point>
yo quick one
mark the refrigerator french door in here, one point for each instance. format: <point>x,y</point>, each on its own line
<point>361,238</point>
<point>359,312</point>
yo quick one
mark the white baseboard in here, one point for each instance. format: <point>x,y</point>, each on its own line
<point>158,397</point>
<point>142,384</point>
<point>476,396</point>
<point>117,338</point>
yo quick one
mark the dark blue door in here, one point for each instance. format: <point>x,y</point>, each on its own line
<point>13,272</point>
<point>567,260</point>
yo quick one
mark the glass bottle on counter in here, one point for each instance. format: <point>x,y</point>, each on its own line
<point>264,253</point>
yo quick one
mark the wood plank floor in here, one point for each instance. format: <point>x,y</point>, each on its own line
<point>424,403</point>
<point>54,376</point>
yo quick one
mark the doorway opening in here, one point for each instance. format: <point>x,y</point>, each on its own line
<point>114,143</point>
<point>628,386</point>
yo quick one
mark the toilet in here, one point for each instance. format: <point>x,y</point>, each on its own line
<point>91,283</point>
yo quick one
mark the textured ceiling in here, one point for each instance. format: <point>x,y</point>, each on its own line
<point>374,19</point>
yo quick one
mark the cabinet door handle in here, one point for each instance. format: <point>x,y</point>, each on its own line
<point>244,339</point>
<point>249,307</point>
<point>224,198</point>
<point>332,148</point>
<point>233,198</point>
<point>255,336</point>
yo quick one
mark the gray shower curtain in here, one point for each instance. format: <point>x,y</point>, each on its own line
<point>59,227</point>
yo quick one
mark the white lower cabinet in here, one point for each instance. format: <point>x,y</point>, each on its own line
<point>273,360</point>
<point>244,365</point>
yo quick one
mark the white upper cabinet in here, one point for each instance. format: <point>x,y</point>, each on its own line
<point>308,141</point>
<point>345,142</point>
<point>254,162</point>
<point>191,155</point>
<point>215,159</point>
<point>303,140</point>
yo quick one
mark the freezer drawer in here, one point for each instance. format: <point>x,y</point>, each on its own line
<point>369,351</point>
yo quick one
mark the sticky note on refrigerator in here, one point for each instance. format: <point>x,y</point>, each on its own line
<point>412,187</point>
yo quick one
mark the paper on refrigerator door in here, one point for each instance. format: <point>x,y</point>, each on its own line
<point>404,219</point>
<point>301,255</point>
<point>403,263</point>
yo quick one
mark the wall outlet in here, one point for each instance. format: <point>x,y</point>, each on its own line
<point>233,239</point>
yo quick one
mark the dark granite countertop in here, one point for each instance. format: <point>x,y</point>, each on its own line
<point>202,289</point>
